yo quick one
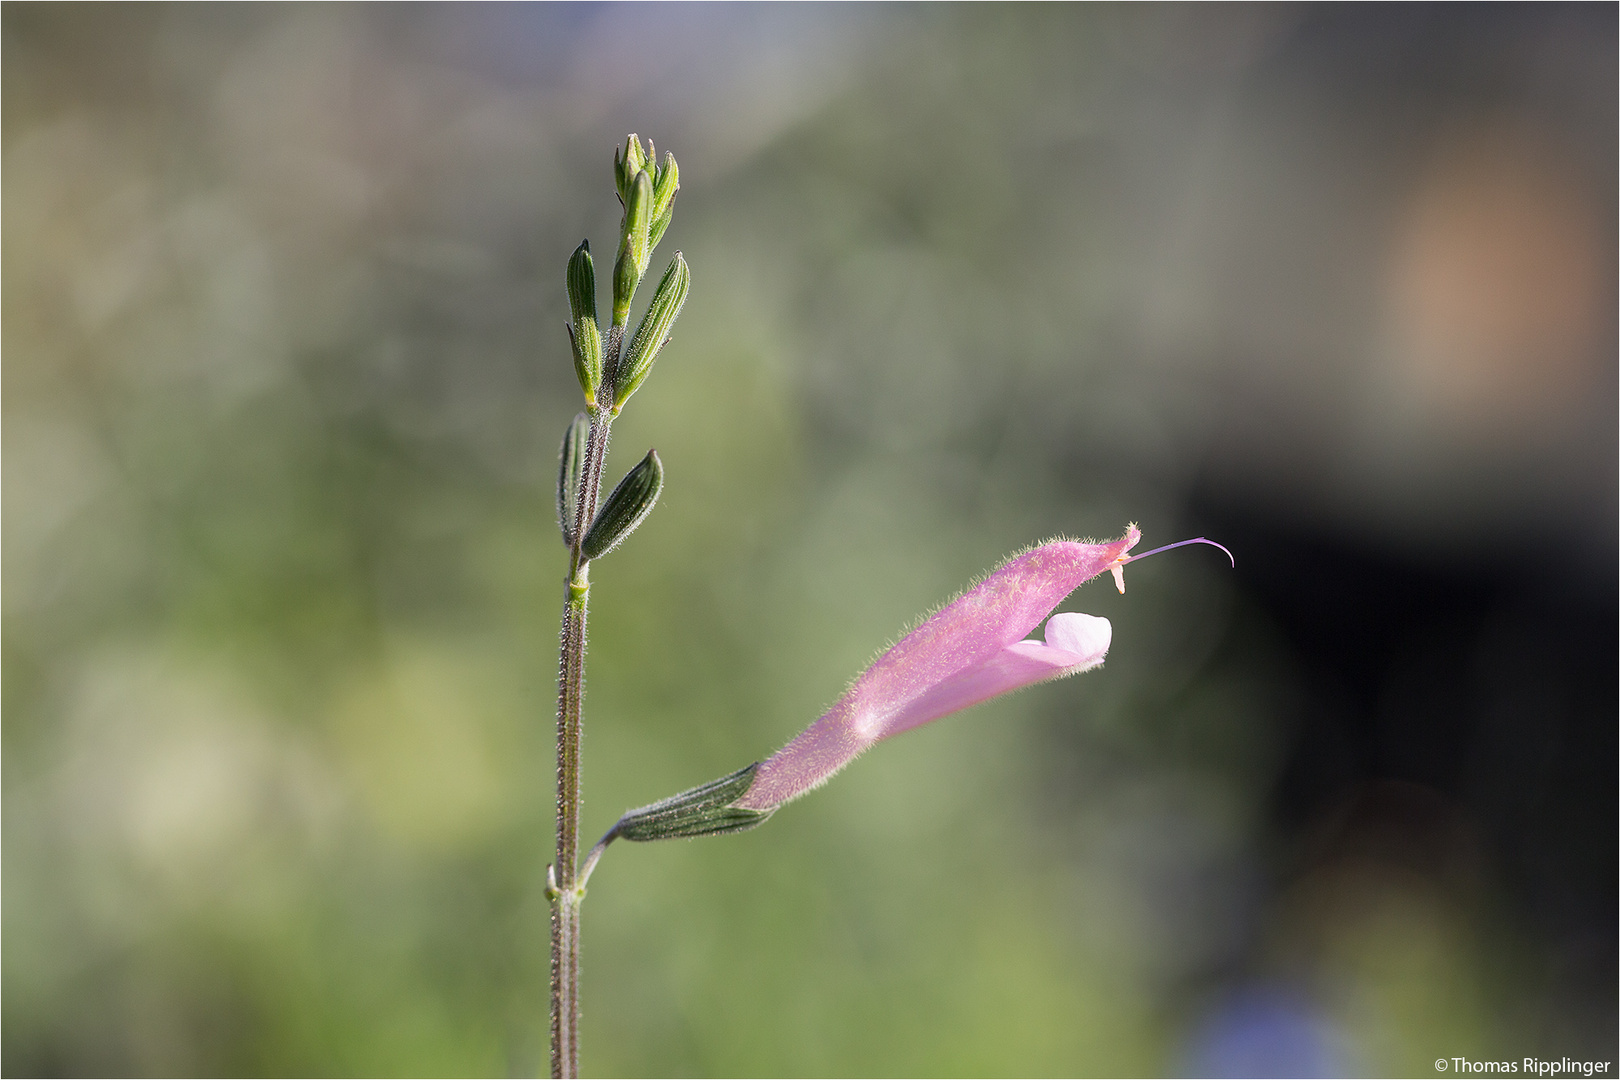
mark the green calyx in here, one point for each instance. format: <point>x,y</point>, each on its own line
<point>702,811</point>
<point>570,472</point>
<point>582,331</point>
<point>629,504</point>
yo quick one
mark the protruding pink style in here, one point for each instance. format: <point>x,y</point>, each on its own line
<point>969,651</point>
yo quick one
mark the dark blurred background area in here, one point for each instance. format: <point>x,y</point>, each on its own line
<point>284,379</point>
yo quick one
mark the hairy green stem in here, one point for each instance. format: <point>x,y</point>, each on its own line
<point>565,889</point>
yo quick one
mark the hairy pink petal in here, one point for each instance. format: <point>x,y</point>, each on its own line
<point>967,652</point>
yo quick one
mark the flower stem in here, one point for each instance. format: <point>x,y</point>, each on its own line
<point>564,888</point>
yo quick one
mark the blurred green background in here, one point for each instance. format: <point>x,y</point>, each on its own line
<point>284,378</point>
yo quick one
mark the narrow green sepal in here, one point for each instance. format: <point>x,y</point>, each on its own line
<point>570,472</point>
<point>702,811</point>
<point>583,332</point>
<point>623,510</point>
<point>653,332</point>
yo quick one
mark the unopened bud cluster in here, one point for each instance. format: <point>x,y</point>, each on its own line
<point>609,369</point>
<point>647,193</point>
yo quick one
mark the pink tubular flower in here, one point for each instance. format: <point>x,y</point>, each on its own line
<point>970,650</point>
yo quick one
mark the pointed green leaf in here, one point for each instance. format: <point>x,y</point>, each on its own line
<point>623,510</point>
<point>702,811</point>
<point>570,470</point>
<point>653,332</point>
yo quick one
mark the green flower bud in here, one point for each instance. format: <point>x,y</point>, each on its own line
<point>653,332</point>
<point>626,163</point>
<point>586,338</point>
<point>633,247</point>
<point>623,510</point>
<point>665,185</point>
<point>570,472</point>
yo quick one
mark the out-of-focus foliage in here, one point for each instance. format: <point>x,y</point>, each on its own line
<point>284,379</point>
